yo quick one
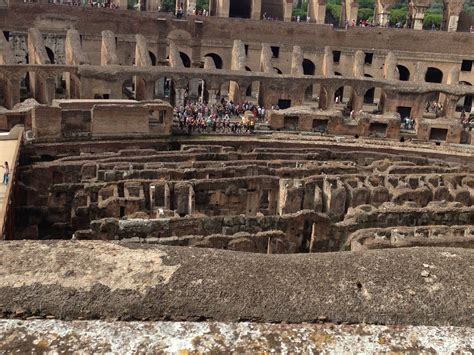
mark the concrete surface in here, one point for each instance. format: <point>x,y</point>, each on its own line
<point>52,336</point>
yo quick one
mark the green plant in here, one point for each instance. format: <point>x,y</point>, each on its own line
<point>333,13</point>
<point>168,5</point>
<point>398,15</point>
<point>432,19</point>
<point>364,14</point>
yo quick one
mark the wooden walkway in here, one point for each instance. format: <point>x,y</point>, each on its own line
<point>7,153</point>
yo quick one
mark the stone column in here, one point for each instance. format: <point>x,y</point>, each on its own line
<point>390,71</point>
<point>317,11</point>
<point>212,97</point>
<point>256,10</point>
<point>238,63</point>
<point>357,101</point>
<point>328,62</point>
<point>179,100</point>
<point>358,67</point>
<point>297,61</point>
<point>449,106</point>
<point>383,11</point>
<point>12,92</point>
<point>223,8</point>
<point>452,9</point>
<point>287,10</point>
<point>417,9</point>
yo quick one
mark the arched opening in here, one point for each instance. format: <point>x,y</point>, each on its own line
<point>164,90</point>
<point>25,87</point>
<point>465,103</point>
<point>404,73</point>
<point>67,86</point>
<point>50,54</point>
<point>308,67</point>
<point>311,93</point>
<point>230,91</point>
<point>369,96</point>
<point>248,69</point>
<point>128,89</point>
<point>343,99</point>
<point>217,60</point>
<point>433,107</point>
<point>185,59</point>
<point>240,8</point>
<point>434,75</point>
<point>152,58</point>
<point>254,93</point>
<point>278,71</point>
<point>196,90</point>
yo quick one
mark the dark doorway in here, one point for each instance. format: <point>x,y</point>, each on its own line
<point>369,96</point>
<point>217,60</point>
<point>308,67</point>
<point>240,8</point>
<point>404,73</point>
<point>185,59</point>
<point>404,111</point>
<point>438,134</point>
<point>434,75</point>
<point>284,104</point>
<point>378,129</point>
<point>290,123</point>
<point>152,58</point>
<point>50,53</point>
<point>320,126</point>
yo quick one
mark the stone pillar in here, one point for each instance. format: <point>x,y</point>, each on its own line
<point>12,92</point>
<point>349,10</point>
<point>357,101</point>
<point>238,63</point>
<point>256,10</point>
<point>287,10</point>
<point>174,56</point>
<point>452,9</point>
<point>6,53</point>
<point>190,7</point>
<point>222,8</point>
<point>297,61</point>
<point>317,11</point>
<point>416,10</point>
<point>390,71</point>
<point>328,62</point>
<point>184,198</point>
<point>142,56</point>
<point>358,67</point>
<point>74,53</point>
<point>108,52</point>
<point>383,11</point>
<point>266,59</point>
<point>179,100</point>
<point>326,97</point>
<point>449,106</point>
<point>144,90</point>
<point>212,97</point>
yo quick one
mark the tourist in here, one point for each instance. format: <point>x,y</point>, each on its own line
<point>6,174</point>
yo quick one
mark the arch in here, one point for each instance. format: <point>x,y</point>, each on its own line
<point>26,91</point>
<point>465,102</point>
<point>217,60</point>
<point>254,93</point>
<point>230,91</point>
<point>369,96</point>
<point>240,8</point>
<point>50,54</point>
<point>311,93</point>
<point>434,75</point>
<point>278,71</point>
<point>165,90</point>
<point>309,68</point>
<point>196,90</point>
<point>128,89</point>
<point>152,58</point>
<point>404,73</point>
<point>186,60</point>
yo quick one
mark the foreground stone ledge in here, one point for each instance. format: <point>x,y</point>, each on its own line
<point>100,280</point>
<point>183,337</point>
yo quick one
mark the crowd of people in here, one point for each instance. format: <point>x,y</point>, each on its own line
<point>223,117</point>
